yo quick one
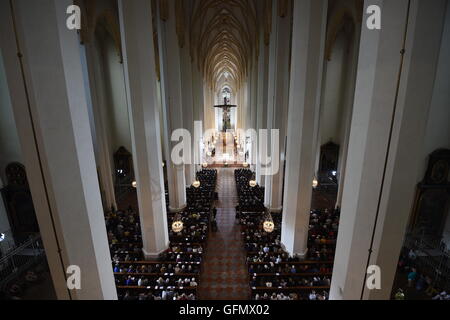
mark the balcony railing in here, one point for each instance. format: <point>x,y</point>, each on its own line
<point>433,258</point>
<point>20,259</point>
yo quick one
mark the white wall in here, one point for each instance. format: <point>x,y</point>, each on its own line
<point>331,114</point>
<point>9,140</point>
<point>88,96</point>
<point>438,129</point>
<point>334,109</point>
<point>10,150</point>
<point>117,109</point>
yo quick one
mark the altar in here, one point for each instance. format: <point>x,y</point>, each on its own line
<point>227,151</point>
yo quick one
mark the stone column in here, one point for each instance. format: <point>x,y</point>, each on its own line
<point>208,107</point>
<point>278,96</point>
<point>172,100</point>
<point>239,111</point>
<point>348,98</point>
<point>197,82</point>
<point>50,106</point>
<point>397,67</point>
<point>104,154</point>
<point>261,114</point>
<point>188,108</point>
<point>140,82</point>
<point>310,18</point>
<point>246,102</point>
<point>197,134</point>
<point>254,106</point>
<point>243,109</point>
<point>18,95</point>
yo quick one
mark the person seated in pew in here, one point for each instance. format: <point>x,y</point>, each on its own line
<point>142,282</point>
<point>193,283</point>
<point>312,296</point>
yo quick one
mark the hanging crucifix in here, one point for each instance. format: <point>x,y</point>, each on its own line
<point>226,118</point>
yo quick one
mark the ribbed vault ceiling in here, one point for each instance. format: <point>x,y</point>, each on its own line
<point>223,40</point>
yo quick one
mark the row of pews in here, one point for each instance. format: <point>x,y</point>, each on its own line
<point>273,273</point>
<point>175,274</point>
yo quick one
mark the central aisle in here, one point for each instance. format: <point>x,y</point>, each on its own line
<point>224,275</point>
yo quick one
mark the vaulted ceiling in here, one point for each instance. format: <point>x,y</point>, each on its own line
<point>223,38</point>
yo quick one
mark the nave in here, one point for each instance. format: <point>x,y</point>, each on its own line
<point>230,257</point>
<point>111,157</point>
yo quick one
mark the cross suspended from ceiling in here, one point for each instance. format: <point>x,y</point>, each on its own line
<point>226,118</point>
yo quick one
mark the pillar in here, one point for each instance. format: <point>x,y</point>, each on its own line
<point>198,96</point>
<point>188,108</point>
<point>239,109</point>
<point>140,83</point>
<point>254,106</point>
<point>103,152</point>
<point>309,29</point>
<point>277,105</point>
<point>393,94</point>
<point>208,107</point>
<point>348,98</point>
<point>172,100</point>
<point>50,106</point>
<point>246,102</point>
<point>261,114</point>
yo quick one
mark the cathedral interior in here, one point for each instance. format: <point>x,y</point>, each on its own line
<point>220,150</point>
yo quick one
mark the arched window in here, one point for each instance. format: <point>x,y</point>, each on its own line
<point>226,95</point>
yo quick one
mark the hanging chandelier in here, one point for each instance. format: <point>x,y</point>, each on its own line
<point>177,223</point>
<point>245,164</point>
<point>134,184</point>
<point>252,183</point>
<point>205,165</point>
<point>268,224</point>
<point>315,183</point>
<point>196,184</point>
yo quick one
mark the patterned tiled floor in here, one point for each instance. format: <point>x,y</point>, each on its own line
<point>224,275</point>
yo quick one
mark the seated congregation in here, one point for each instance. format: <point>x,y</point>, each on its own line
<point>273,273</point>
<point>175,274</point>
